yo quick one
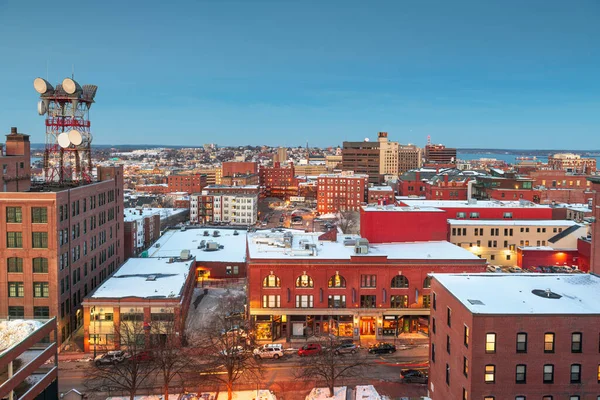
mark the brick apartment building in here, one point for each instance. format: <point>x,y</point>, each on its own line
<point>278,181</point>
<point>595,224</point>
<point>59,243</point>
<point>188,183</point>
<point>381,195</point>
<point>341,192</point>
<point>231,168</point>
<point>572,163</point>
<point>514,336</point>
<point>509,187</point>
<point>237,205</point>
<point>15,175</point>
<point>302,284</point>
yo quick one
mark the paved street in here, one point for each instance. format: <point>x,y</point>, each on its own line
<point>382,371</point>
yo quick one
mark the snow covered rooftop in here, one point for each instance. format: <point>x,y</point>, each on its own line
<point>300,245</point>
<point>512,293</point>
<point>381,189</point>
<point>366,392</point>
<point>173,241</point>
<point>511,222</point>
<point>391,207</point>
<point>136,214</point>
<point>14,331</point>
<point>146,278</point>
<point>477,204</point>
<point>339,393</point>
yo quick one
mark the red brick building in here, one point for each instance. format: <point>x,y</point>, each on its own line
<point>381,195</point>
<point>15,174</point>
<point>439,154</point>
<point>188,183</point>
<point>505,188</point>
<point>572,163</point>
<point>446,187</point>
<point>514,336</point>
<point>341,192</point>
<point>278,181</point>
<point>231,168</point>
<point>60,242</point>
<point>302,284</point>
<point>159,188</point>
<point>595,240</point>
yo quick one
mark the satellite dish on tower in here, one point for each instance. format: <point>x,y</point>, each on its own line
<point>75,137</point>
<point>70,86</point>
<point>42,108</point>
<point>42,86</point>
<point>63,140</point>
<point>366,139</point>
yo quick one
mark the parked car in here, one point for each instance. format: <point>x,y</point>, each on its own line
<point>235,351</point>
<point>381,348</point>
<point>310,349</point>
<point>414,375</point>
<point>143,356</point>
<point>345,348</point>
<point>493,268</point>
<point>515,270</point>
<point>112,357</point>
<point>273,351</point>
<point>235,331</point>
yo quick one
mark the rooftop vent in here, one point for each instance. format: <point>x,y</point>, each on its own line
<point>547,294</point>
<point>476,302</point>
<point>151,278</point>
<point>185,255</point>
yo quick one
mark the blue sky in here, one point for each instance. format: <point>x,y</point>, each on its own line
<point>504,74</point>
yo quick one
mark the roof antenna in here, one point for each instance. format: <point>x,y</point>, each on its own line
<point>73,72</point>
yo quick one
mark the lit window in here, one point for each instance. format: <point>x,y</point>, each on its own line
<point>490,343</point>
<point>490,373</point>
<point>549,343</point>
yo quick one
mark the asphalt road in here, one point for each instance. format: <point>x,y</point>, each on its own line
<point>279,374</point>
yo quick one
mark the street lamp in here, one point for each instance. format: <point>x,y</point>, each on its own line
<point>92,311</point>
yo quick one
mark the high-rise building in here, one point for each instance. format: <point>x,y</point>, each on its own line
<point>409,157</point>
<point>388,155</point>
<point>341,192</point>
<point>59,242</point>
<point>362,158</point>
<point>439,154</point>
<point>280,156</point>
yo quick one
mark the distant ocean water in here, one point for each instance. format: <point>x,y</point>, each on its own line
<point>508,158</point>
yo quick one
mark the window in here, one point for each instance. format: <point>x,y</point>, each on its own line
<point>547,397</point>
<point>400,281</point>
<point>520,398</point>
<point>490,343</point>
<point>426,300</point>
<point>337,281</point>
<point>130,317</point>
<point>449,316</point>
<point>433,324</point>
<point>155,317</point>
<point>39,215</point>
<point>271,281</point>
<point>14,264</point>
<point>576,342</point>
<point>368,281</point>
<point>433,353</point>
<point>14,215</point>
<point>575,373</point>
<point>465,394</point>
<point>490,374</point>
<point>399,301</point>
<point>598,374</point>
<point>489,397</point>
<point>465,366</point>
<point>16,312</point>
<point>16,289</point>
<point>447,374</point>
<point>461,215</point>
<point>474,215</point>
<point>466,336</point>
<point>304,281</point>
<point>427,283</point>
<point>40,289</point>
<point>549,373</point>
<point>368,301</point>
<point>40,265</point>
<point>434,301</point>
<point>14,240</point>
<point>41,312</point>
<point>521,374</point>
<point>521,342</point>
<point>337,301</point>
<point>39,240</point>
<point>575,397</point>
<point>448,343</point>
<point>549,343</point>
<point>271,301</point>
<point>508,215</point>
<point>304,301</point>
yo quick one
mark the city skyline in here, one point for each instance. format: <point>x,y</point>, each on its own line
<point>516,76</point>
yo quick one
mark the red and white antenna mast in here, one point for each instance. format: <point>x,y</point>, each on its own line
<point>67,156</point>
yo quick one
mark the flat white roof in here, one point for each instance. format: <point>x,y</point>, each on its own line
<point>391,207</point>
<point>513,222</point>
<point>270,245</point>
<point>465,203</point>
<point>381,188</point>
<point>173,241</point>
<point>512,293</point>
<point>131,280</point>
<point>133,214</point>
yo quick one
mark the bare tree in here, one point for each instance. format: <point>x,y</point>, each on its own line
<point>226,354</point>
<point>330,365</point>
<point>349,221</point>
<point>169,358</point>
<point>128,373</point>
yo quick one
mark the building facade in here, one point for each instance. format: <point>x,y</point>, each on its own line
<point>440,154</point>
<point>237,205</point>
<point>409,157</point>
<point>278,181</point>
<point>15,174</point>
<point>341,192</point>
<point>305,284</point>
<point>59,243</point>
<point>537,340</point>
<point>363,158</point>
<point>188,183</point>
<point>572,163</point>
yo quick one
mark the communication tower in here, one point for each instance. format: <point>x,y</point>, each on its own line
<point>67,155</point>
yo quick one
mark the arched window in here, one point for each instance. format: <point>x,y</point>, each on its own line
<point>304,281</point>
<point>271,281</point>
<point>427,283</point>
<point>337,281</point>
<point>400,281</point>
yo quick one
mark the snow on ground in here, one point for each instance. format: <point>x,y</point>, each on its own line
<point>12,332</point>
<point>339,393</point>
<point>366,392</point>
<point>202,316</point>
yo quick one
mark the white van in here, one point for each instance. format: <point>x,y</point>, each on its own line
<point>273,350</point>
